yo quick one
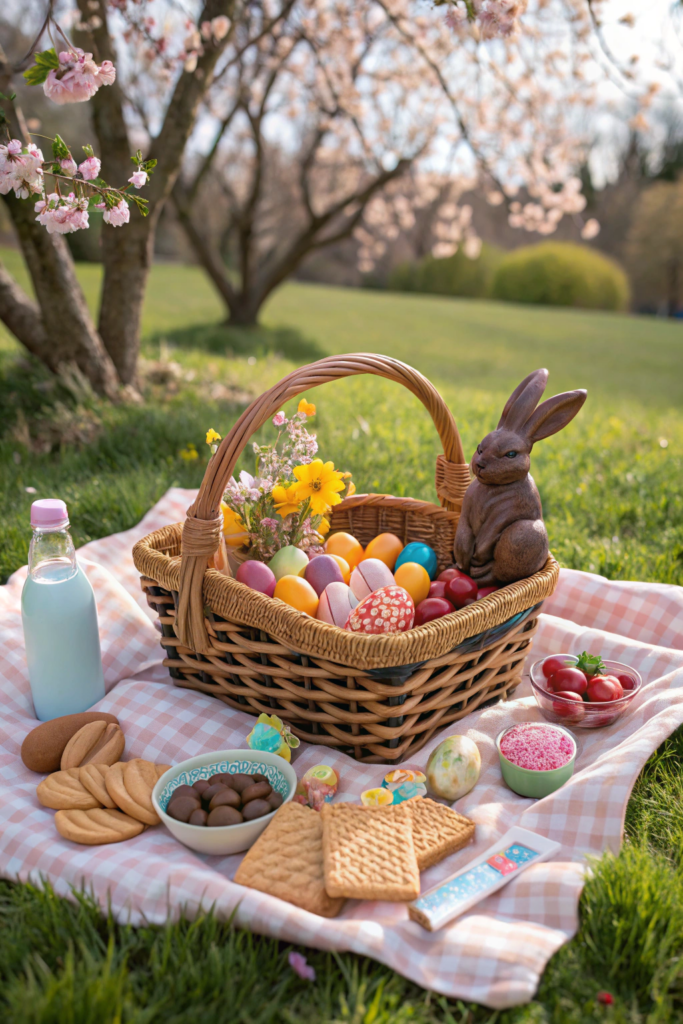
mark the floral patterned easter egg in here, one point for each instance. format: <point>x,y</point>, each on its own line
<point>453,767</point>
<point>388,610</point>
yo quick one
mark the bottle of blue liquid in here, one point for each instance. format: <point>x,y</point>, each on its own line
<point>60,619</point>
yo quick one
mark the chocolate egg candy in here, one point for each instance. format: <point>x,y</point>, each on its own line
<point>239,782</point>
<point>258,791</point>
<point>321,571</point>
<point>210,793</point>
<point>224,816</point>
<point>226,798</point>
<point>336,604</point>
<point>259,778</point>
<point>200,785</point>
<point>275,800</point>
<point>182,807</point>
<point>421,553</point>
<point>198,817</point>
<point>185,791</point>
<point>389,610</point>
<point>256,809</point>
<point>288,561</point>
<point>370,575</point>
<point>258,576</point>
<point>220,777</point>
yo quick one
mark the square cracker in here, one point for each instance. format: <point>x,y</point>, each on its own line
<point>287,861</point>
<point>368,852</point>
<point>437,830</point>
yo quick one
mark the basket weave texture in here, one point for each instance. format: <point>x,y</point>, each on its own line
<point>379,698</point>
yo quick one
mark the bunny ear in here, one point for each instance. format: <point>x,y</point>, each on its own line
<point>523,400</point>
<point>553,415</point>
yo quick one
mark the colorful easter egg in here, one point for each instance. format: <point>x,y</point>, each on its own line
<point>453,767</point>
<point>415,579</point>
<point>258,576</point>
<point>295,591</point>
<point>370,575</point>
<point>337,601</point>
<point>344,566</point>
<point>346,546</point>
<point>404,784</point>
<point>376,797</point>
<point>432,608</point>
<point>288,561</point>
<point>322,570</point>
<point>317,787</point>
<point>421,553</point>
<point>389,610</point>
<point>271,734</point>
<point>385,546</point>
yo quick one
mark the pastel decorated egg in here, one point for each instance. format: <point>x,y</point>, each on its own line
<point>344,566</point>
<point>415,579</point>
<point>376,797</point>
<point>369,575</point>
<point>385,546</point>
<point>389,610</point>
<point>421,553</point>
<point>337,601</point>
<point>288,561</point>
<point>453,767</point>
<point>405,783</point>
<point>258,576</point>
<point>322,570</point>
<point>346,546</point>
<point>295,591</point>
<point>317,787</point>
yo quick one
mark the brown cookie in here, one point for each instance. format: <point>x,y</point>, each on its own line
<point>42,749</point>
<point>65,791</point>
<point>96,827</point>
<point>95,743</point>
<point>130,786</point>
<point>92,777</point>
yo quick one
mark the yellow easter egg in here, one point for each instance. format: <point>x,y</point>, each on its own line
<point>415,579</point>
<point>344,566</point>
<point>295,591</point>
<point>385,546</point>
<point>376,797</point>
<point>346,546</point>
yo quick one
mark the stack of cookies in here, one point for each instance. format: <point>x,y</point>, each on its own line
<point>317,860</point>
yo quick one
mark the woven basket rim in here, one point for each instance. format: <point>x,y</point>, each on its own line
<point>235,602</point>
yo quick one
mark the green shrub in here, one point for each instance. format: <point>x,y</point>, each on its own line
<point>455,275</point>
<point>561,274</point>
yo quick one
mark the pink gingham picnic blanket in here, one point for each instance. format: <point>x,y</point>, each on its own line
<point>496,953</point>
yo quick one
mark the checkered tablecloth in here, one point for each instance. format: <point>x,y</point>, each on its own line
<point>496,953</point>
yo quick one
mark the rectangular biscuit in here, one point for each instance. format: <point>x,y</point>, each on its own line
<point>368,852</point>
<point>287,861</point>
<point>437,830</point>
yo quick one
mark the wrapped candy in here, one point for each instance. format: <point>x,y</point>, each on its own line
<point>270,733</point>
<point>317,787</point>
<point>376,797</point>
<point>405,783</point>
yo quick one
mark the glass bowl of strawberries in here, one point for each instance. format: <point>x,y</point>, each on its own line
<point>583,691</point>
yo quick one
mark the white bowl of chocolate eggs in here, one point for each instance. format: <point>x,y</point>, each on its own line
<point>220,803</point>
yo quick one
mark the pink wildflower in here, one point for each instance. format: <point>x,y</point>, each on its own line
<point>606,998</point>
<point>278,418</point>
<point>139,178</point>
<point>77,78</point>
<point>118,215</point>
<point>68,166</point>
<point>90,168</point>
<point>300,966</point>
<point>62,214</point>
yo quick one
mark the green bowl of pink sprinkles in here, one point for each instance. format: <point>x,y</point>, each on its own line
<point>536,758</point>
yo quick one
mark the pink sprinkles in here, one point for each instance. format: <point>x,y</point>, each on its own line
<point>537,747</point>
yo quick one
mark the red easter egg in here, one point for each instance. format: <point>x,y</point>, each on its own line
<point>451,573</point>
<point>485,591</point>
<point>461,589</point>
<point>438,588</point>
<point>388,610</point>
<point>432,608</point>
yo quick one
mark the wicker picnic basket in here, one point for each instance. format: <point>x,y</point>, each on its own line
<point>378,698</point>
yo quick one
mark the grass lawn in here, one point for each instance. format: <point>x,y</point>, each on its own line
<point>612,490</point>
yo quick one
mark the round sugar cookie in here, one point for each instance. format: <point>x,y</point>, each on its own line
<point>130,785</point>
<point>97,826</point>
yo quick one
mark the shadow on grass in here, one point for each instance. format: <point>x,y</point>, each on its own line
<point>222,339</point>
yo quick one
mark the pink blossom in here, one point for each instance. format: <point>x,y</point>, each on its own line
<point>90,168</point>
<point>300,966</point>
<point>68,166</point>
<point>278,418</point>
<point>139,178</point>
<point>14,147</point>
<point>20,169</point>
<point>220,27</point>
<point>118,215</point>
<point>77,78</point>
<point>62,214</point>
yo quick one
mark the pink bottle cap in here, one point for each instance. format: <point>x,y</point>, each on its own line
<point>49,513</point>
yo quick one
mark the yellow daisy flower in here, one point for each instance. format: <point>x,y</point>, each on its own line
<point>306,407</point>
<point>212,436</point>
<point>321,483</point>
<point>286,499</point>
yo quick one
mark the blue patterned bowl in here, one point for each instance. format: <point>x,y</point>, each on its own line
<point>227,838</point>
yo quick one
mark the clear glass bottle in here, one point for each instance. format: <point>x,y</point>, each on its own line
<point>59,616</point>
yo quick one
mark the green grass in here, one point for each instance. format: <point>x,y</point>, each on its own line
<point>613,500</point>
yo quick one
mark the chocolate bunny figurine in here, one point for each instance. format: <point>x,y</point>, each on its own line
<point>501,536</point>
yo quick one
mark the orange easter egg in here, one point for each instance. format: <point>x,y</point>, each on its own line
<point>344,566</point>
<point>295,591</point>
<point>385,546</point>
<point>415,579</point>
<point>346,546</point>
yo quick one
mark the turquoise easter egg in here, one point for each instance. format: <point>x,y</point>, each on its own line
<point>421,553</point>
<point>288,561</point>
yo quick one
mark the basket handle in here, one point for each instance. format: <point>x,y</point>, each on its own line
<point>201,531</point>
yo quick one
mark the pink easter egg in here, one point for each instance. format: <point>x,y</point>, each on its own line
<point>321,571</point>
<point>389,610</point>
<point>336,604</point>
<point>370,575</point>
<point>258,576</point>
